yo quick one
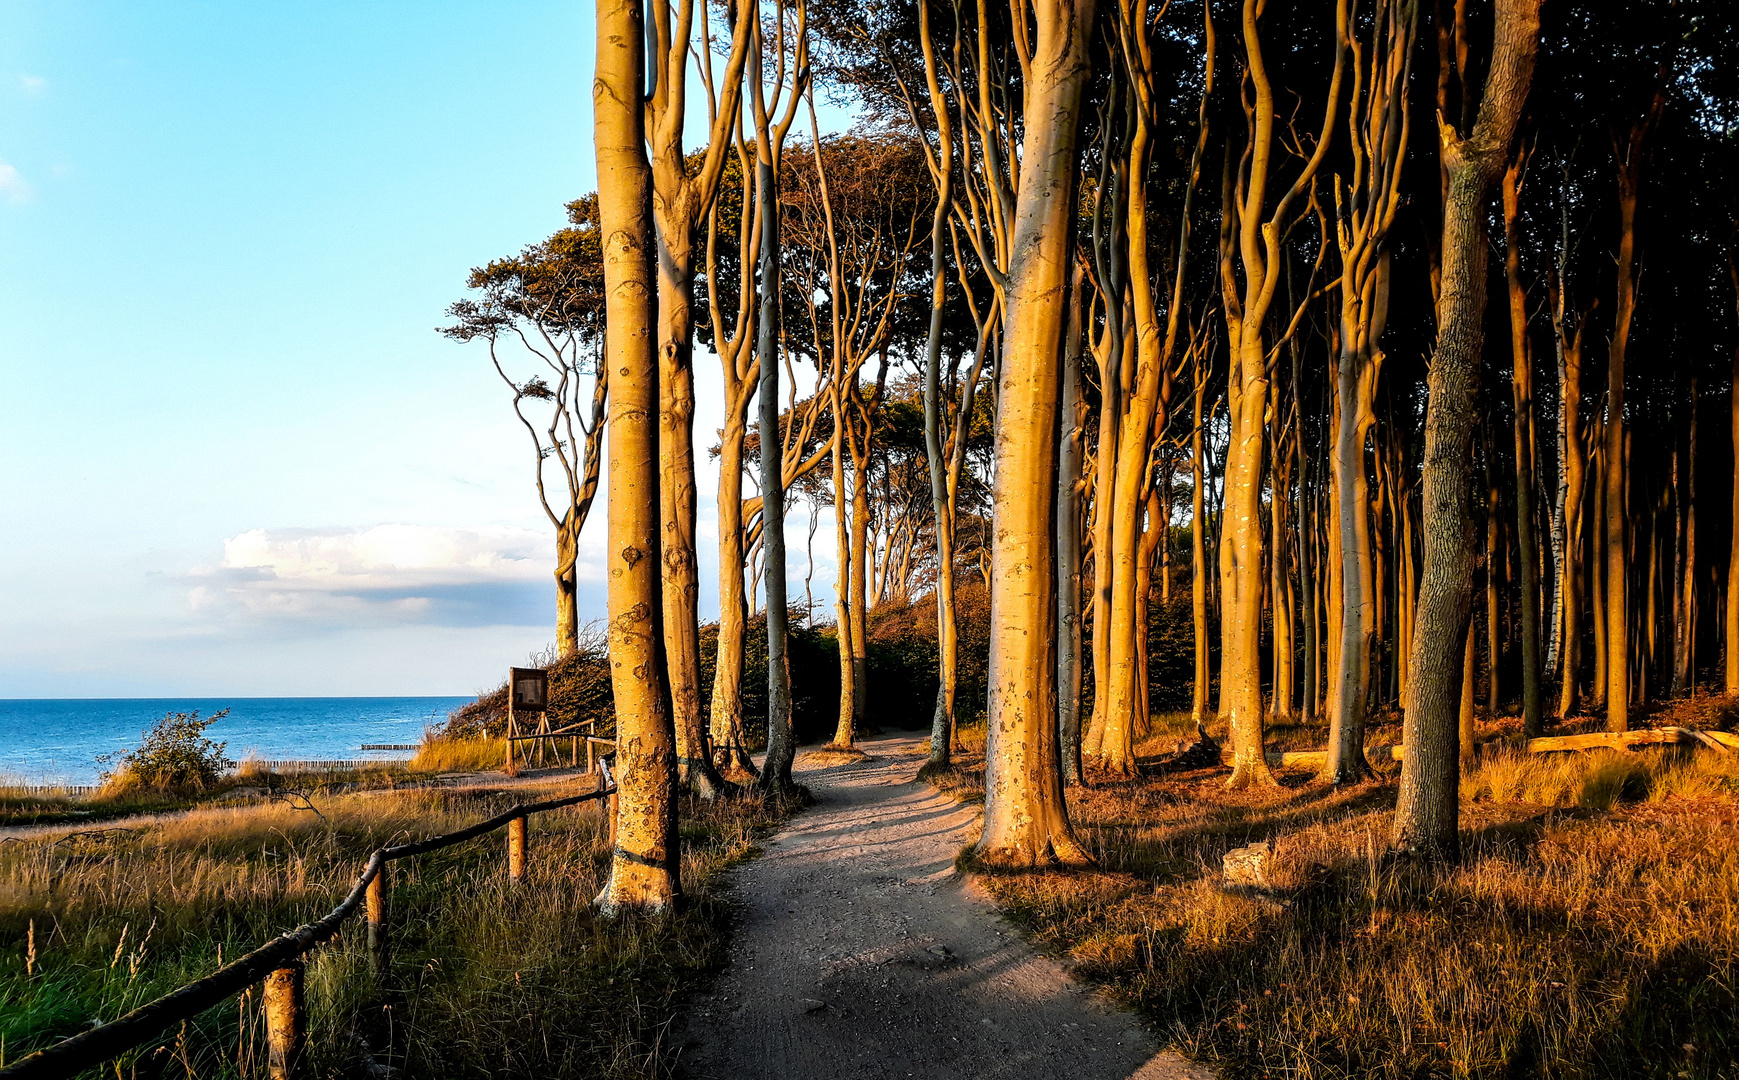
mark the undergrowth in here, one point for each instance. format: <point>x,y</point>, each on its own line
<point>1590,930</point>
<point>486,979</point>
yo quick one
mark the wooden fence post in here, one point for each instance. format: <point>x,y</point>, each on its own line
<point>286,1021</point>
<point>516,849</point>
<point>377,931</point>
<point>608,781</point>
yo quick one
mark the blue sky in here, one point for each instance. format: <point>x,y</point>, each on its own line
<point>236,457</point>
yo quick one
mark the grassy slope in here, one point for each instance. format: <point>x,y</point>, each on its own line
<point>1592,929</point>
<point>486,979</point>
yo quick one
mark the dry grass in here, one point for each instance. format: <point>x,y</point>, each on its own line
<point>486,979</point>
<point>439,755</point>
<point>1591,930</point>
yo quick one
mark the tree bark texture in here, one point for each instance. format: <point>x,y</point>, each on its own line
<point>1026,822</point>
<point>645,864</point>
<point>1427,812</point>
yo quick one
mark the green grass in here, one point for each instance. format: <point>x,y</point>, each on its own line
<point>486,979</point>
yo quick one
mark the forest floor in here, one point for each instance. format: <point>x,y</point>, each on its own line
<point>861,951</point>
<point>1591,928</point>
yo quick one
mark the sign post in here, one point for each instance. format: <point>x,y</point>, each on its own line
<point>527,692</point>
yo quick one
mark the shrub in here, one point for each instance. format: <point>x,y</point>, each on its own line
<point>579,689</point>
<point>173,755</point>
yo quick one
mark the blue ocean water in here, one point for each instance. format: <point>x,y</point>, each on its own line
<point>57,740</point>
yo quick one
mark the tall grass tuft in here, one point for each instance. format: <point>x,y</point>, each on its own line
<point>1590,930</point>
<point>487,978</point>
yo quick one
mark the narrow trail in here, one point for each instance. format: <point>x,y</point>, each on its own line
<point>861,952</point>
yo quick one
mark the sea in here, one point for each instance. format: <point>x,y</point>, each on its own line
<point>58,740</point>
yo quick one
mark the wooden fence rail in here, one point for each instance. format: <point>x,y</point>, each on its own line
<point>278,963</point>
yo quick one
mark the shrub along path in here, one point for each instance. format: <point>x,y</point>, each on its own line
<point>861,952</point>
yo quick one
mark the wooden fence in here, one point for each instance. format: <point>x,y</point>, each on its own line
<point>278,963</point>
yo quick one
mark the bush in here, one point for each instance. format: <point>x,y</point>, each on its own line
<point>579,689</point>
<point>174,755</point>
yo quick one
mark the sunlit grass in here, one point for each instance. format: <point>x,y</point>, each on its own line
<point>487,978</point>
<point>439,755</point>
<point>1591,929</point>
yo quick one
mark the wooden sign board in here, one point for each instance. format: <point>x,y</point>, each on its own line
<point>528,689</point>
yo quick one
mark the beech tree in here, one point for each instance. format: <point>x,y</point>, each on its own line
<point>549,300</point>
<point>1426,817</point>
<point>645,869</point>
<point>1025,820</point>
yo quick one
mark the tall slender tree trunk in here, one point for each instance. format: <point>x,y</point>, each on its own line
<point>681,588</point>
<point>1731,683</point>
<point>1597,572</point>
<point>1522,393</point>
<point>1109,355</point>
<point>1358,627</point>
<point>729,741</point>
<point>1630,162</point>
<point>1493,620</point>
<point>781,740</point>
<point>860,549</point>
<point>1427,812</point>
<point>942,719</point>
<point>843,592</point>
<point>1304,536</point>
<point>1279,571</point>
<point>1026,822</point>
<point>1199,549</point>
<point>567,602</point>
<point>1685,606</point>
<point>1261,257</point>
<point>1074,419</point>
<point>645,868</point>
<point>1165,537</point>
<point>1465,724</point>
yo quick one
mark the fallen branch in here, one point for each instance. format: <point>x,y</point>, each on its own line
<point>1629,740</point>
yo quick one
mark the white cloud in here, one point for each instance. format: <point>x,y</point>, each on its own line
<point>394,555</point>
<point>13,187</point>
<point>384,573</point>
<point>33,84</point>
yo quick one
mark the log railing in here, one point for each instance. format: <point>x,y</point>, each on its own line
<point>278,963</point>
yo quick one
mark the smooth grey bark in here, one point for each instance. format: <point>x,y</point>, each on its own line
<point>1427,809</point>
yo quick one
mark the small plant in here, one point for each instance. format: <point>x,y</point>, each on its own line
<point>173,755</point>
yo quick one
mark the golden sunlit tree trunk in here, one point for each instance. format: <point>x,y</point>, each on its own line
<point>1261,254</point>
<point>1427,810</point>
<point>1572,472</point>
<point>645,866</point>
<point>1140,414</point>
<point>732,341</point>
<point>1025,820</point>
<point>1377,124</point>
<point>843,593</point>
<point>681,202</point>
<point>1685,579</point>
<point>1522,394</point>
<point>942,173</point>
<point>1597,568</point>
<point>1731,683</point>
<point>1493,504</point>
<point>1630,161</point>
<point>1199,552</point>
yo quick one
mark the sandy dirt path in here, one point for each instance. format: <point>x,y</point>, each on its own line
<point>861,952</point>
